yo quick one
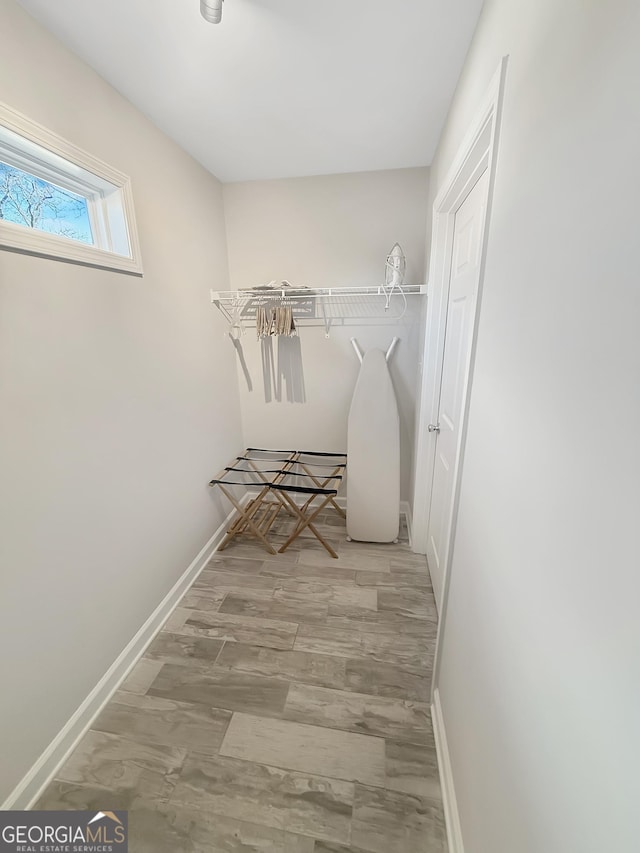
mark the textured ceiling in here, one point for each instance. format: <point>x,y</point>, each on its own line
<point>281,87</point>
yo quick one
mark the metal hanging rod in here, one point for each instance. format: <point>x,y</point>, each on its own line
<point>228,296</point>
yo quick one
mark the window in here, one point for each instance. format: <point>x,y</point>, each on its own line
<point>60,202</point>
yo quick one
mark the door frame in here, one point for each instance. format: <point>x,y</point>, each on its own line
<point>477,153</point>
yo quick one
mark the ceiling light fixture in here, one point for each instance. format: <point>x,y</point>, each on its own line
<point>211,10</point>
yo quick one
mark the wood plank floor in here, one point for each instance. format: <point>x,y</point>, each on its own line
<point>282,709</point>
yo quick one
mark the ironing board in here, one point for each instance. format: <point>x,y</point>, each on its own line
<point>373,433</point>
<point>274,478</point>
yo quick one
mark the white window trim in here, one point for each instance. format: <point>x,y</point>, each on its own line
<point>18,238</point>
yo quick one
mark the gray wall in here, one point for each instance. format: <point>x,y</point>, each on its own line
<point>540,673</point>
<point>118,401</point>
<point>328,231</point>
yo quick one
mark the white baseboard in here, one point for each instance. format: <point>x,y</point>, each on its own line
<point>452,818</point>
<point>43,771</point>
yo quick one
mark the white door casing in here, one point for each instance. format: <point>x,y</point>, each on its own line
<point>450,343</point>
<point>460,320</point>
<point>477,155</point>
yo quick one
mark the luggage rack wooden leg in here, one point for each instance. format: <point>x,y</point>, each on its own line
<point>245,519</point>
<point>321,484</point>
<point>306,521</point>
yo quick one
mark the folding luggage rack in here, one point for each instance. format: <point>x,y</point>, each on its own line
<point>276,477</point>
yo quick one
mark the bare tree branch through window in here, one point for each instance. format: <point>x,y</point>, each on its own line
<point>36,203</point>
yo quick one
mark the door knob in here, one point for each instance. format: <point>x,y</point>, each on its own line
<point>434,427</point>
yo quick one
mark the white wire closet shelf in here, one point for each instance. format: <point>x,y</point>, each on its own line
<point>318,305</point>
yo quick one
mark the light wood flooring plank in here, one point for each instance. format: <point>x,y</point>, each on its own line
<point>142,676</point>
<point>219,687</point>
<point>182,649</point>
<point>298,802</point>
<point>358,712</point>
<point>322,670</point>
<point>272,633</point>
<point>393,822</point>
<point>154,720</point>
<point>275,608</point>
<point>300,591</point>
<point>311,749</point>
<point>121,764</point>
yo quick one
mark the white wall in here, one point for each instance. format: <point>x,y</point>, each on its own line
<point>540,675</point>
<point>118,401</point>
<point>328,231</point>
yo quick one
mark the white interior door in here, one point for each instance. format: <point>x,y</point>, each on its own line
<point>460,322</point>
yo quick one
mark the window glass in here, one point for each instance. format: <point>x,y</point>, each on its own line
<point>35,203</point>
